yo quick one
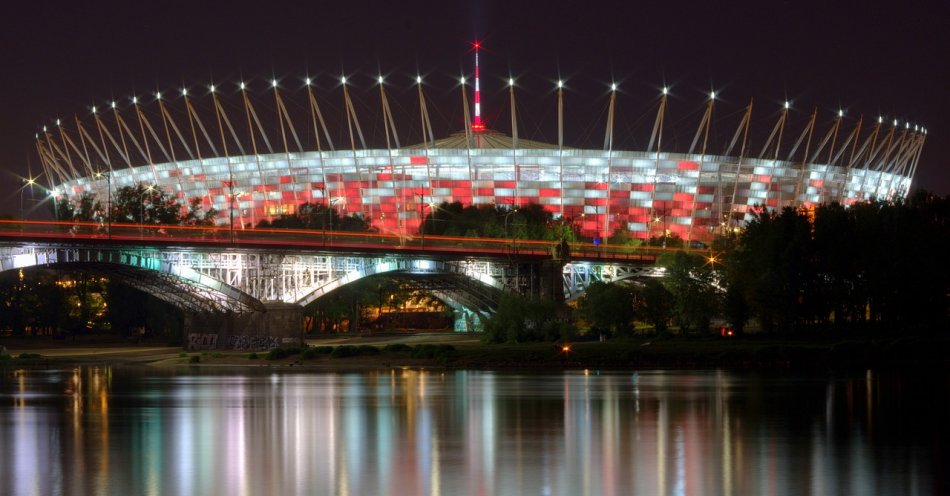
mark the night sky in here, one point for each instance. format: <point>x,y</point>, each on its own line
<point>892,59</point>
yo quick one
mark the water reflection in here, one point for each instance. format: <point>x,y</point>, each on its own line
<point>130,431</point>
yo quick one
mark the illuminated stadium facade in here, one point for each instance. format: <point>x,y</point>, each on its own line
<point>200,147</point>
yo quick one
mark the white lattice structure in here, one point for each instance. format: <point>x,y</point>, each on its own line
<point>253,172</point>
<point>205,279</point>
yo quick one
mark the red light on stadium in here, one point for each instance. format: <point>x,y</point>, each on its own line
<point>477,125</point>
<point>677,192</point>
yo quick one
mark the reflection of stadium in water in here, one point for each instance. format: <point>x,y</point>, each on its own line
<point>466,432</point>
<point>223,154</point>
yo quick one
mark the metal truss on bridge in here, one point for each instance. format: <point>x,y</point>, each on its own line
<point>579,275</point>
<point>215,279</point>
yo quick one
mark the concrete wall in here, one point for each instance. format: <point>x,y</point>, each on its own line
<point>280,325</point>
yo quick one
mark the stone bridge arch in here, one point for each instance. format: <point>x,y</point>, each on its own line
<point>143,269</point>
<point>402,266</point>
<point>236,280</point>
<point>472,294</point>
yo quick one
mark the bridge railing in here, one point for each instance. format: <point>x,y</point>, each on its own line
<point>315,239</point>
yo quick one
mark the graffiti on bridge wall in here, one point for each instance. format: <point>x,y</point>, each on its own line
<point>202,341</point>
<point>253,343</point>
<point>237,343</point>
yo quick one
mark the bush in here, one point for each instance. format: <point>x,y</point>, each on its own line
<point>308,354</point>
<point>182,355</point>
<point>253,356</point>
<point>397,348</point>
<point>322,350</point>
<point>279,353</point>
<point>345,351</point>
<point>194,359</point>
<point>432,351</point>
<point>366,349</point>
<point>29,356</point>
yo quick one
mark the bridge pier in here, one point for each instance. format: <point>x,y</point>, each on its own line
<point>280,325</point>
<point>551,281</point>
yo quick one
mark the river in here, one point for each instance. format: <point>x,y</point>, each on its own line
<point>139,430</point>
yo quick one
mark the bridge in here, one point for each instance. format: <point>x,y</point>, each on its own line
<point>249,281</point>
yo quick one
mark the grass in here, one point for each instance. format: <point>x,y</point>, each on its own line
<point>709,352</point>
<point>640,352</point>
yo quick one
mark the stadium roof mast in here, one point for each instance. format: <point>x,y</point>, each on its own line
<point>560,138</point>
<point>477,125</point>
<point>514,140</point>
<point>609,148</point>
<point>657,135</point>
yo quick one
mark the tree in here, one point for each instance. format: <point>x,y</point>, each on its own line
<point>530,221</point>
<point>655,304</point>
<point>520,319</point>
<point>62,208</point>
<point>85,209</point>
<point>196,216</point>
<point>608,307</point>
<point>775,252</point>
<point>690,281</point>
<point>141,204</point>
<point>667,241</point>
<point>319,217</point>
<point>734,279</point>
<point>621,237</point>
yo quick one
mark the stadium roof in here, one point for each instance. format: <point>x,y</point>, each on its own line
<point>485,139</point>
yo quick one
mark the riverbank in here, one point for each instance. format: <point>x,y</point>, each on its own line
<point>454,351</point>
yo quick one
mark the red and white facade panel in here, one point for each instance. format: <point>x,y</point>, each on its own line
<point>692,196</point>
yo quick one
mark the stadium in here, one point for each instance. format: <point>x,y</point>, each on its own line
<point>213,144</point>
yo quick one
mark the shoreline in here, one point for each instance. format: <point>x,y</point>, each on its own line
<point>465,352</point>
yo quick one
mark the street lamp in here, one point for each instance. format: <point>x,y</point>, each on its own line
<point>27,182</point>
<point>326,207</point>
<point>332,208</point>
<point>148,191</point>
<point>662,214</point>
<point>422,219</point>
<point>512,239</point>
<point>230,202</point>
<point>108,201</point>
